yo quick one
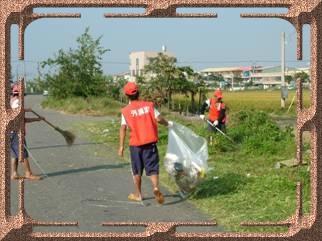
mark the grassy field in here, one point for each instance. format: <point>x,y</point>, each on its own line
<point>265,100</point>
<point>94,106</point>
<point>243,183</point>
<point>268,101</point>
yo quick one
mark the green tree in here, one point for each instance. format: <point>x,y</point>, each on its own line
<point>238,79</point>
<point>162,78</point>
<point>304,76</point>
<point>214,78</point>
<point>189,83</point>
<point>115,87</point>
<point>288,78</point>
<point>77,72</point>
<point>161,74</point>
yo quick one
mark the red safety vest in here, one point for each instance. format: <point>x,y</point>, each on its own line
<point>214,110</point>
<point>139,116</point>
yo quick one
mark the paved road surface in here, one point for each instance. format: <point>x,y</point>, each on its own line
<point>88,183</point>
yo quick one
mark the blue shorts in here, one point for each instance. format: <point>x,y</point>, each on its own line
<point>145,157</point>
<point>15,146</point>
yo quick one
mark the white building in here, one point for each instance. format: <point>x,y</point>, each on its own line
<point>125,75</point>
<point>139,59</point>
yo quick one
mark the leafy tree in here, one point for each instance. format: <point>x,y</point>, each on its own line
<point>288,78</point>
<point>189,82</point>
<point>215,78</point>
<point>304,76</point>
<point>115,86</point>
<point>238,79</point>
<point>162,78</point>
<point>162,74</point>
<point>77,72</point>
<point>38,83</point>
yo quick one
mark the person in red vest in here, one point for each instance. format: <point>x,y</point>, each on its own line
<point>217,112</point>
<point>14,102</point>
<point>142,119</point>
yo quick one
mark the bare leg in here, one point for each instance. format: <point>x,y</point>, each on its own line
<point>155,181</point>
<point>137,195</point>
<point>14,168</point>
<point>28,173</point>
<point>155,184</point>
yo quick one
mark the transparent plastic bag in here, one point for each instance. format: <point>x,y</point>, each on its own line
<point>186,157</point>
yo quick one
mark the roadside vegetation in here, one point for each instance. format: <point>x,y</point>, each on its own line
<point>245,181</point>
<point>94,106</point>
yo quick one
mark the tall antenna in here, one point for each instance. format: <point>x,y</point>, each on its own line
<point>164,48</point>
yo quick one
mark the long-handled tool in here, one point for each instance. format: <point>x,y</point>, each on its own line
<point>69,137</point>
<point>221,131</point>
<point>291,104</point>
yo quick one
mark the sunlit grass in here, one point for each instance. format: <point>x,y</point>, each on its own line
<point>247,187</point>
<point>243,183</point>
<point>94,106</point>
<point>265,100</point>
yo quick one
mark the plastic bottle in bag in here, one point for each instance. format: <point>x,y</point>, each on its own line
<point>186,157</point>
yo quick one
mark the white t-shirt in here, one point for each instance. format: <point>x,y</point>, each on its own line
<point>208,103</point>
<point>15,104</point>
<point>123,121</point>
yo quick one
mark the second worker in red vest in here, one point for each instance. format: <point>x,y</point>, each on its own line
<point>217,112</point>
<point>142,119</point>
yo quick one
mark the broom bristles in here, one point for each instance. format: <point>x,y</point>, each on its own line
<point>69,136</point>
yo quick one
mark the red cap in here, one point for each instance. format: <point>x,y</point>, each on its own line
<point>15,89</point>
<point>218,93</point>
<point>130,88</point>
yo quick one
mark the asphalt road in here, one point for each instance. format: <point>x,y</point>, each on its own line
<point>88,183</point>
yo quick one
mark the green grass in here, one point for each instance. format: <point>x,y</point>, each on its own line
<point>268,101</point>
<point>265,100</point>
<point>95,106</point>
<point>247,187</point>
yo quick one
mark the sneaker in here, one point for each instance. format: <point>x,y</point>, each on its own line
<point>158,196</point>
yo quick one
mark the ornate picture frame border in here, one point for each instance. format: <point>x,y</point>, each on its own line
<point>300,12</point>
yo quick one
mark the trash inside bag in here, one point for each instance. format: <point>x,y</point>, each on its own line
<point>186,157</point>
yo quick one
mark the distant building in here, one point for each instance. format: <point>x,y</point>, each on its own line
<point>125,75</point>
<point>141,58</point>
<point>268,76</point>
<point>271,76</point>
<point>227,73</point>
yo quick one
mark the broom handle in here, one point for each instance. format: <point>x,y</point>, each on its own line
<point>55,127</point>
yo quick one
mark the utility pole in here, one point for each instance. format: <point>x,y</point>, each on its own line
<point>24,69</point>
<point>24,74</point>
<point>232,82</point>
<point>252,73</point>
<point>17,73</point>
<point>283,89</point>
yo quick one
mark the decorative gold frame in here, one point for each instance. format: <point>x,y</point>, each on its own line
<point>300,12</point>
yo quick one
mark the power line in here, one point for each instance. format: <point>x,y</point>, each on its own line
<point>38,61</point>
<point>239,61</point>
<point>113,62</point>
<point>188,61</point>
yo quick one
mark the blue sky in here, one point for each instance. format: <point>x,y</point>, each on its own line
<point>227,40</point>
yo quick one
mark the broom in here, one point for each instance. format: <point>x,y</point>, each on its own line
<point>69,136</point>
